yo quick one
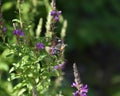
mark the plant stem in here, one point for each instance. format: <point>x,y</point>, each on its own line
<point>20,13</point>
<point>34,91</point>
<point>53,4</point>
<point>0,15</point>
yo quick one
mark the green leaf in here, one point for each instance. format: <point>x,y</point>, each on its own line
<point>3,66</point>
<point>14,76</point>
<point>12,69</point>
<point>7,6</point>
<point>16,20</point>
<point>9,55</point>
<point>21,91</point>
<point>42,57</point>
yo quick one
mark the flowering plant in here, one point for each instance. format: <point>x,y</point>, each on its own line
<point>81,89</point>
<point>37,55</point>
<point>37,58</point>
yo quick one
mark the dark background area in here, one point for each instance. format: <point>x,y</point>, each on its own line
<point>93,38</point>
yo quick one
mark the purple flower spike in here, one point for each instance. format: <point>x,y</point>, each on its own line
<point>55,14</point>
<point>18,32</point>
<point>80,92</point>
<point>39,46</point>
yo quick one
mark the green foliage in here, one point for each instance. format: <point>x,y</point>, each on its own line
<point>31,68</point>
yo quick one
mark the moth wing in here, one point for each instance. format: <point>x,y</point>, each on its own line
<point>48,49</point>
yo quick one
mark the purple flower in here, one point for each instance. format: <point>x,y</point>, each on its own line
<point>59,12</point>
<point>55,14</point>
<point>60,66</point>
<point>76,93</point>
<point>39,46</point>
<point>4,29</point>
<point>56,18</point>
<point>82,91</point>
<point>74,84</point>
<point>18,32</point>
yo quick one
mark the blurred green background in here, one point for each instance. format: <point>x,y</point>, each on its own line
<point>93,38</point>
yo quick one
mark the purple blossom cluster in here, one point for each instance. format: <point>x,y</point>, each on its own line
<point>60,66</point>
<point>18,32</point>
<point>82,90</point>
<point>39,46</point>
<point>4,29</point>
<point>55,14</point>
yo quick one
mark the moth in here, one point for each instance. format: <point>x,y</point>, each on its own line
<point>57,46</point>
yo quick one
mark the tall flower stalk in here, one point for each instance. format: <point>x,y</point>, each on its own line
<point>81,89</point>
<point>3,29</point>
